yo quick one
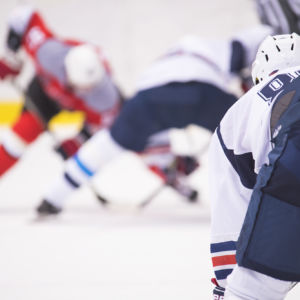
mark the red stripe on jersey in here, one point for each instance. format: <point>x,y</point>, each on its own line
<point>224,260</point>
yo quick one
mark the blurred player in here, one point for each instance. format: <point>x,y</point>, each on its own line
<point>282,15</point>
<point>188,85</point>
<point>69,74</point>
<point>254,171</point>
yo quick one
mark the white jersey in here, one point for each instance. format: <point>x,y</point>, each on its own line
<point>192,59</point>
<point>238,149</point>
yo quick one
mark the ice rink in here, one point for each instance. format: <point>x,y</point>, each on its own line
<point>160,252</point>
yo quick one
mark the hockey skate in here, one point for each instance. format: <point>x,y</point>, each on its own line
<point>47,209</point>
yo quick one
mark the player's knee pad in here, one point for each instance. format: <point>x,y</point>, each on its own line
<point>28,127</point>
<point>269,240</point>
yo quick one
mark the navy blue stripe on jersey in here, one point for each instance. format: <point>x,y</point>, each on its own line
<point>222,274</point>
<point>82,167</point>
<point>71,181</point>
<point>224,246</point>
<point>243,164</point>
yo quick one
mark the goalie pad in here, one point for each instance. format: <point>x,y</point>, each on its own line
<point>269,241</point>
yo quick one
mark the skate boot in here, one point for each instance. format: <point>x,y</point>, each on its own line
<point>47,209</point>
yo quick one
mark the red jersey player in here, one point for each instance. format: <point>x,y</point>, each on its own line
<point>69,74</point>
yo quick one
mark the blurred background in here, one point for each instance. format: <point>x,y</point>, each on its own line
<point>159,252</point>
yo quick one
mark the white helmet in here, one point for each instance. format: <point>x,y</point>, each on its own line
<point>83,67</point>
<point>276,53</point>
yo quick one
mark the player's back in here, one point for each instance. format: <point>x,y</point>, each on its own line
<point>192,59</point>
<point>240,147</point>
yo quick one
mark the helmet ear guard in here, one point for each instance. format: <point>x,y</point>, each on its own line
<point>276,53</point>
<point>83,67</point>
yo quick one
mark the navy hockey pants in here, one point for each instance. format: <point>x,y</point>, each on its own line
<point>174,105</point>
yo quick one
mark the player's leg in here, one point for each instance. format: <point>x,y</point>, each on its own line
<point>93,155</point>
<point>38,110</point>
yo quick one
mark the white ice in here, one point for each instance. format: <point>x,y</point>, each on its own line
<point>161,252</point>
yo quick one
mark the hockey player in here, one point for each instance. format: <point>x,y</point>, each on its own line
<point>254,172</point>
<point>188,85</point>
<point>69,74</point>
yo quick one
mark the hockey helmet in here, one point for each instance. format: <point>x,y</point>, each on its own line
<point>83,67</point>
<point>276,53</point>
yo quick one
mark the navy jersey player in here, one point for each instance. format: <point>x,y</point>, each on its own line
<point>255,201</point>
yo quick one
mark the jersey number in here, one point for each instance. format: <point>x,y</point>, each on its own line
<point>274,88</point>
